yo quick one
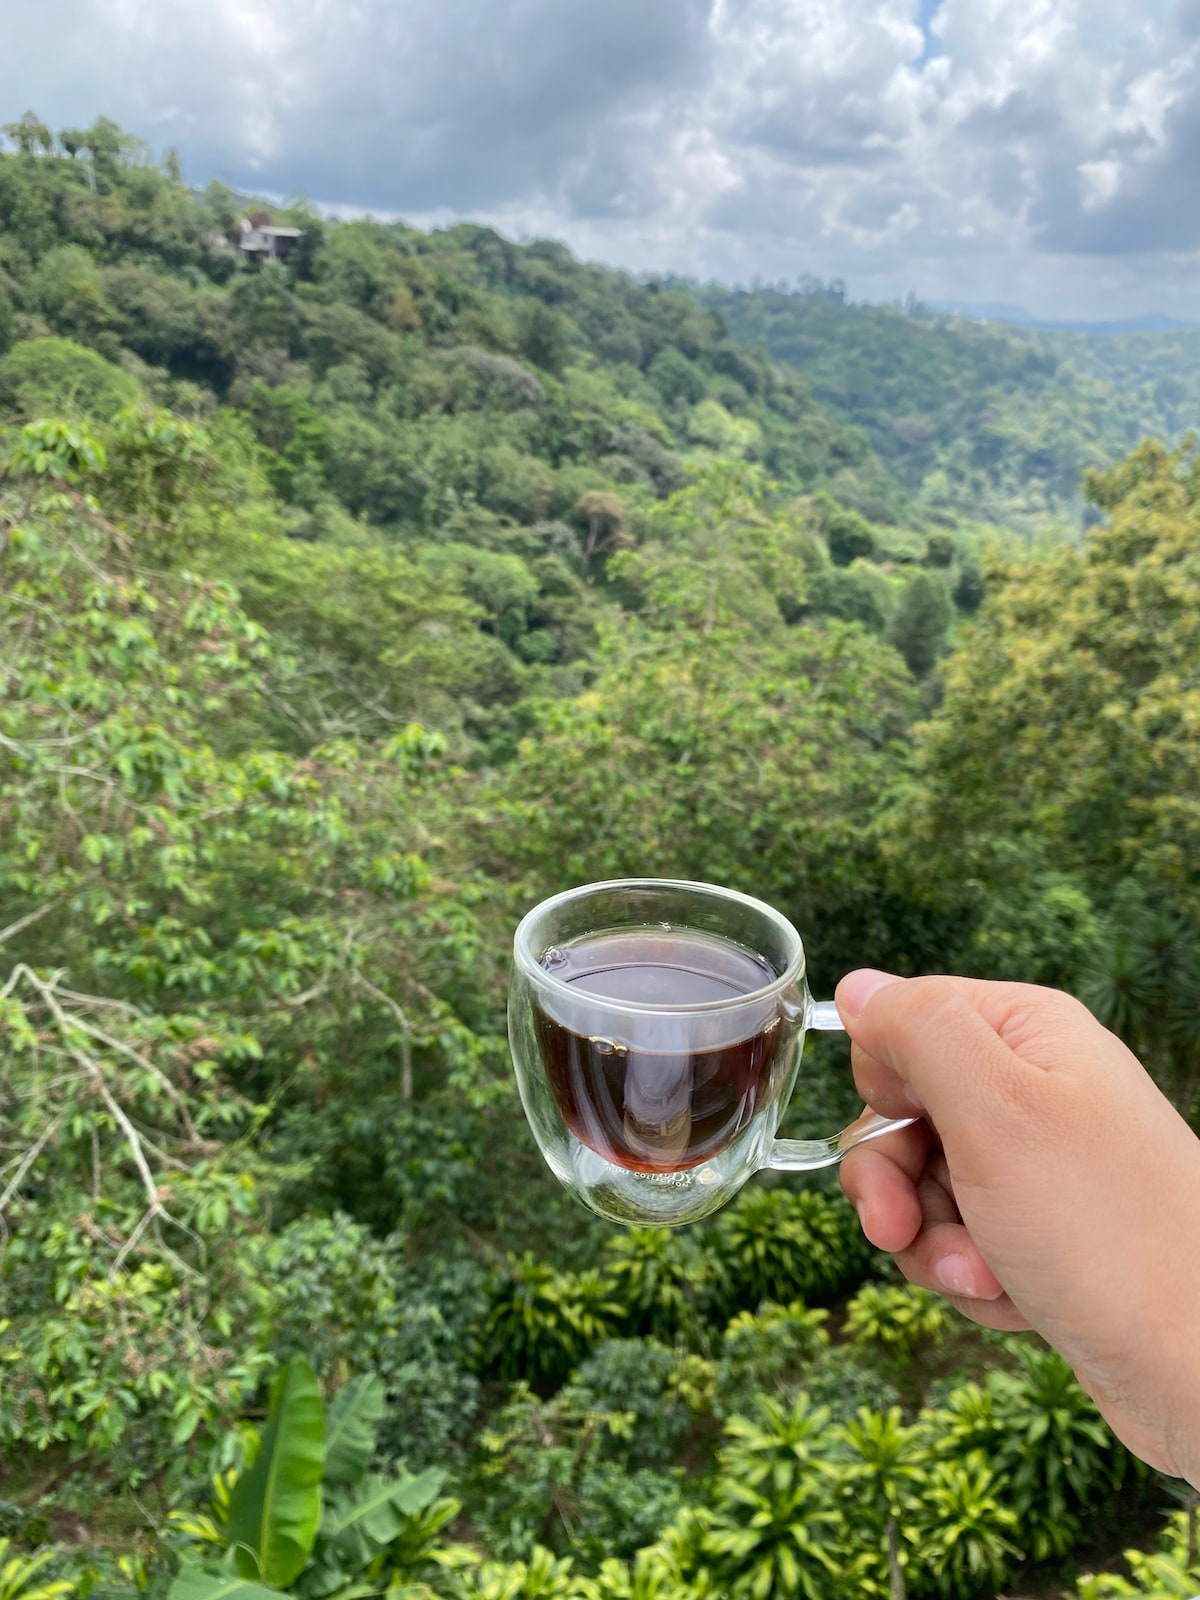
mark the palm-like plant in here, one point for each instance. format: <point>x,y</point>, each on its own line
<point>544,1576</point>
<point>25,1577</point>
<point>656,1276</point>
<point>883,1464</point>
<point>1155,1577</point>
<point>774,1517</point>
<point>542,1322</point>
<point>1171,1573</point>
<point>779,1244</point>
<point>1053,1447</point>
<point>896,1318</point>
<point>963,1529</point>
<point>651,1575</point>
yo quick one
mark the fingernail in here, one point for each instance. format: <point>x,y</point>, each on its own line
<point>956,1275</point>
<point>856,988</point>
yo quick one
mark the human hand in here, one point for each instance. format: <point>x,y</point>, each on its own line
<point>1050,1185</point>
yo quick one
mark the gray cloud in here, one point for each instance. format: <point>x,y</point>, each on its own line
<point>968,149</point>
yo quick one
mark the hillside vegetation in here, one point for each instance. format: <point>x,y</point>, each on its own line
<point>977,420</point>
<point>350,606</point>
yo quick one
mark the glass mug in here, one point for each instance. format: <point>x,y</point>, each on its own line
<point>656,1030</point>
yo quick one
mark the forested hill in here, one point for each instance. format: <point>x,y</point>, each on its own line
<point>442,439</point>
<point>975,419</point>
<point>350,605</point>
<point>437,342</point>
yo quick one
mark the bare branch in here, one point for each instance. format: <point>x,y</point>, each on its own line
<point>29,919</point>
<point>69,1027</point>
<point>406,1070</point>
<point>28,1160</point>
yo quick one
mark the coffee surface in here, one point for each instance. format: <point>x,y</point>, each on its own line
<point>656,1097</point>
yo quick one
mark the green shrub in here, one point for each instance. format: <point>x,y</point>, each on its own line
<point>853,594</point>
<point>658,1276</point>
<point>963,1529</point>
<point>896,1318</point>
<point>768,1351</point>
<point>850,536</point>
<point>786,1244</point>
<point>542,1322</point>
<point>636,1380</point>
<point>1164,1574</point>
<point>47,376</point>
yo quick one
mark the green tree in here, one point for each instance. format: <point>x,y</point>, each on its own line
<point>42,376</point>
<point>850,536</point>
<point>1063,738</point>
<point>922,616</point>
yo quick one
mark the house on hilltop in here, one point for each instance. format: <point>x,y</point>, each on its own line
<point>256,238</point>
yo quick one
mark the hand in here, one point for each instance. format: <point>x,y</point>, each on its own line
<point>1049,1186</point>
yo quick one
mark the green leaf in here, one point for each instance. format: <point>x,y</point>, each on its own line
<point>382,1504</point>
<point>350,1429</point>
<point>275,1508</point>
<point>192,1584</point>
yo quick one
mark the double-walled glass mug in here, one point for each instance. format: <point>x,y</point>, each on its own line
<point>656,1029</point>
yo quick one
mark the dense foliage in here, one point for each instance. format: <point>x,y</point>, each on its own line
<point>348,607</point>
<point>979,421</point>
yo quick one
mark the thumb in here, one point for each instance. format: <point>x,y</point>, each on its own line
<point>950,1042</point>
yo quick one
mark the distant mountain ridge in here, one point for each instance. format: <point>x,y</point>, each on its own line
<point>1018,317</point>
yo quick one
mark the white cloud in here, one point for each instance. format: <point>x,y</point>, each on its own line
<point>1047,148</point>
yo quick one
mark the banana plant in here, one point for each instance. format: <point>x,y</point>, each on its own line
<point>275,1506</point>
<point>307,1515</point>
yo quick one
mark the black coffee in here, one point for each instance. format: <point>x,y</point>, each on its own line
<point>665,1101</point>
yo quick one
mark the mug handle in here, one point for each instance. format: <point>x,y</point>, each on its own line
<point>806,1155</point>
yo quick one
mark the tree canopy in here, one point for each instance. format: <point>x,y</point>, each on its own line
<point>348,607</point>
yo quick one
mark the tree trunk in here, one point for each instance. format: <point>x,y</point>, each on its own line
<point>895,1575</point>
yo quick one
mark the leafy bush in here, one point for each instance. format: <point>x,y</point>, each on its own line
<point>768,1351</point>
<point>923,614</point>
<point>43,377</point>
<point>896,1318</point>
<point>853,594</point>
<point>849,535</point>
<point>785,1244</point>
<point>634,1379</point>
<point>542,1322</point>
<point>304,1513</point>
<point>843,1382</point>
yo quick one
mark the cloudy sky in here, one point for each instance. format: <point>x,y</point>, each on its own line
<point>1038,152</point>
